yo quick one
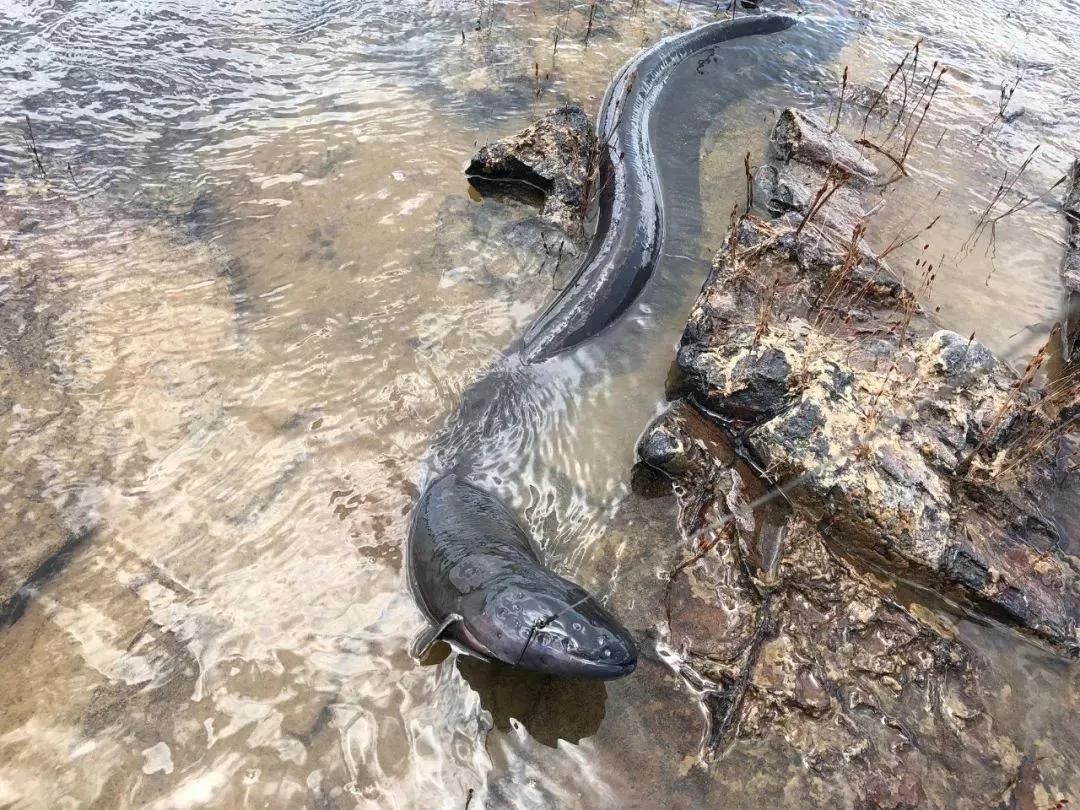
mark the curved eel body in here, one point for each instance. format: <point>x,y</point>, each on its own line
<point>470,564</point>
<point>630,228</point>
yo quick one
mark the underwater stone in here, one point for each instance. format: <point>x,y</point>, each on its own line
<point>663,450</point>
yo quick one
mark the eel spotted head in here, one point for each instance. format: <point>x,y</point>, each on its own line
<point>560,629</point>
<point>476,576</point>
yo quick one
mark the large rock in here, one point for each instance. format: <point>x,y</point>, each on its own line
<point>553,155</point>
<point>785,642</point>
<point>908,441</point>
<point>804,137</point>
<point>916,447</point>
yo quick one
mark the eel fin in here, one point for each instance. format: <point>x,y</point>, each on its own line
<point>431,633</point>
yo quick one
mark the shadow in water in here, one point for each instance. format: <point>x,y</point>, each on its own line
<point>645,482</point>
<point>550,708</point>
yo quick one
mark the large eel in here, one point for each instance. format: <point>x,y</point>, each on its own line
<point>470,564</point>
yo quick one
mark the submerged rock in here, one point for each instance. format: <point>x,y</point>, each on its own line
<point>805,137</point>
<point>553,156</point>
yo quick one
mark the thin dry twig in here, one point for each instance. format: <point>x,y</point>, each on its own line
<point>588,31</point>
<point>31,143</point>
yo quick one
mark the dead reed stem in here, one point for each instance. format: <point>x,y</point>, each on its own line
<point>898,242</point>
<point>31,143</point>
<point>1033,366</point>
<point>834,178</point>
<point>749,183</point>
<point>926,108</point>
<point>884,90</point>
<point>840,103</point>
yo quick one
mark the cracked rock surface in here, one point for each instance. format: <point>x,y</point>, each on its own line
<point>552,156</point>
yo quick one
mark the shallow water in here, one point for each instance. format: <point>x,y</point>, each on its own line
<point>255,287</point>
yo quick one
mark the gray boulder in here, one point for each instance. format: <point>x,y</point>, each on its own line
<point>553,156</point>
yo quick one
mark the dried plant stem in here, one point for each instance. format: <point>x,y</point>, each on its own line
<point>749,183</point>
<point>851,260</point>
<point>31,143</point>
<point>840,103</point>
<point>926,108</point>
<point>884,152</point>
<point>834,178</point>
<point>884,90</point>
<point>1033,366</point>
<point>898,242</point>
<point>988,219</point>
<point>764,313</point>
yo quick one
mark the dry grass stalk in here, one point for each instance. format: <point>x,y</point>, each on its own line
<point>913,125</point>
<point>840,102</point>
<point>1001,115</point>
<point>749,183</point>
<point>31,144</point>
<point>899,242</point>
<point>926,108</point>
<point>841,277</point>
<point>764,313</point>
<point>907,83</point>
<point>989,217</point>
<point>835,177</point>
<point>869,144</point>
<point>733,239</point>
<point>1032,369</point>
<point>1032,445</point>
<point>884,90</point>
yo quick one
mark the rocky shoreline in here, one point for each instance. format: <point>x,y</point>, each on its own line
<point>845,468</point>
<point>916,447</point>
<point>888,451</point>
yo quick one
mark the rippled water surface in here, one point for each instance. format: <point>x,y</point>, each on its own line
<point>252,287</point>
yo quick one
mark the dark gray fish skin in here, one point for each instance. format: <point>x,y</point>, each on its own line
<point>630,229</point>
<point>469,557</point>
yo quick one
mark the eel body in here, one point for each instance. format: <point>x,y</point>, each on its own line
<point>630,225</point>
<point>470,564</point>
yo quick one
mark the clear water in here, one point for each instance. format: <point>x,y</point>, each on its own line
<point>255,286</point>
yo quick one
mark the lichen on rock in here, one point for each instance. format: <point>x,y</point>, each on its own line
<point>881,454</point>
<point>553,156</point>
